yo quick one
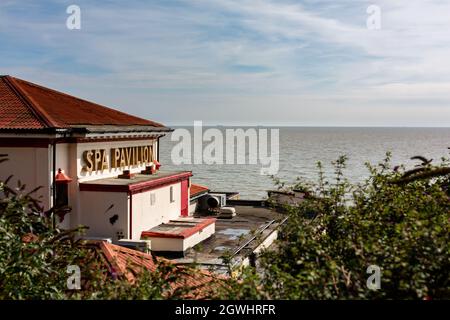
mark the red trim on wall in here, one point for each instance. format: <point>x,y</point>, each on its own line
<point>138,187</point>
<point>90,140</point>
<point>25,142</point>
<point>148,185</point>
<point>130,236</point>
<point>184,198</point>
<point>84,186</point>
<point>181,235</point>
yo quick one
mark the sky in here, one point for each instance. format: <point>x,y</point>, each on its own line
<point>240,62</point>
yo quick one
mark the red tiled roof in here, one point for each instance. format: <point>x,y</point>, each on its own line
<point>197,189</point>
<point>129,263</point>
<point>14,111</point>
<point>25,105</point>
<point>29,238</point>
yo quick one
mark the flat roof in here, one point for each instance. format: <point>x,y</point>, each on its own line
<point>232,234</point>
<point>138,183</point>
<point>180,228</point>
<point>197,190</point>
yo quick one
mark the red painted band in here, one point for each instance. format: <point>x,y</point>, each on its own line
<point>181,235</point>
<point>136,187</point>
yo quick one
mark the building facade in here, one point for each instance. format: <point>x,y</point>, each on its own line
<point>96,166</point>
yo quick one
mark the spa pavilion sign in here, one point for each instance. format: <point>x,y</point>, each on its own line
<point>97,159</point>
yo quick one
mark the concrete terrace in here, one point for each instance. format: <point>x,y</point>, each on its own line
<point>253,228</point>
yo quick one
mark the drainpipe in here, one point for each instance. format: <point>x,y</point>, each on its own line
<point>54,183</point>
<point>130,236</point>
<point>157,148</point>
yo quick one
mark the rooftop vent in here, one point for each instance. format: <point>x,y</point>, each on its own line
<point>126,175</point>
<point>149,170</point>
<point>140,245</point>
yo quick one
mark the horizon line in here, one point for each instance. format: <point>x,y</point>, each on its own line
<point>306,126</point>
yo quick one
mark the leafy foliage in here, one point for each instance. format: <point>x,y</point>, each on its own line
<point>34,257</point>
<point>397,220</point>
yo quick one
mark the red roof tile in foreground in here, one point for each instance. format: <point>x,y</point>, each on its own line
<point>197,189</point>
<point>25,105</point>
<point>29,238</point>
<point>129,263</point>
<point>126,262</point>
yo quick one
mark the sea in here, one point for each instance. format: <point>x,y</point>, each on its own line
<point>299,150</point>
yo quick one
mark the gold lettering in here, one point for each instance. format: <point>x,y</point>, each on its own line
<point>104,162</point>
<point>128,155</point>
<point>150,151</point>
<point>97,159</point>
<point>141,155</point>
<point>115,157</point>
<point>138,161</point>
<point>146,154</point>
<point>87,157</point>
<point>122,158</point>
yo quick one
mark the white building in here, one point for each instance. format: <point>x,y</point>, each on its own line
<point>106,161</point>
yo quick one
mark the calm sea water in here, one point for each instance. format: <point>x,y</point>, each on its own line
<point>301,148</point>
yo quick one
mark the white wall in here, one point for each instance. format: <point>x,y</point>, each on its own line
<point>180,244</point>
<point>192,207</point>
<point>88,207</point>
<point>147,216</point>
<point>70,159</point>
<point>32,167</point>
<point>199,236</point>
<point>63,157</point>
<point>94,206</point>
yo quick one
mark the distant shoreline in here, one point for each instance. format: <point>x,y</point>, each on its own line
<point>314,127</point>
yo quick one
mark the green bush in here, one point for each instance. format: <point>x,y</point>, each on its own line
<point>397,220</point>
<point>34,258</point>
<point>33,268</point>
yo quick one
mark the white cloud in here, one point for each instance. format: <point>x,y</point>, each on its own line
<point>318,58</point>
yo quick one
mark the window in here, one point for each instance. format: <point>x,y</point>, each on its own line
<point>172,197</point>
<point>152,199</point>
<point>61,186</point>
<point>62,195</point>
